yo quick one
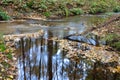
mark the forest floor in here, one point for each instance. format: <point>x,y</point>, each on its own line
<point>110,32</point>
<point>56,9</point>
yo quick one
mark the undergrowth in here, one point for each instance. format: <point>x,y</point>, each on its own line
<point>4,16</point>
<point>65,8</point>
<point>113,40</point>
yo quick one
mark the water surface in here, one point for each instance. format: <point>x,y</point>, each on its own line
<point>42,59</point>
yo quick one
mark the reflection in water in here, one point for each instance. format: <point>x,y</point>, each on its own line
<point>74,23</point>
<point>41,59</point>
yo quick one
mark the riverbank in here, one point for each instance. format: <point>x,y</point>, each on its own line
<point>55,9</point>
<point>7,62</point>
<point>111,33</point>
<point>111,28</point>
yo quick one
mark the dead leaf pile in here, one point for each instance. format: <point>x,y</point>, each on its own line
<point>75,50</point>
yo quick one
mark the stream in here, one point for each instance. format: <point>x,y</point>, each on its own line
<point>42,59</point>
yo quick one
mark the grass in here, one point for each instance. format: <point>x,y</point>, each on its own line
<point>2,46</point>
<point>102,6</point>
<point>116,9</point>
<point>65,8</point>
<point>4,16</point>
<point>76,11</point>
<point>116,45</point>
<point>112,39</point>
<point>5,59</point>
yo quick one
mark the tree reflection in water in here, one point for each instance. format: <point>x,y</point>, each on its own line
<point>41,59</point>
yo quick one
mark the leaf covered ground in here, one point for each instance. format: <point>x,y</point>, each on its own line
<point>7,63</point>
<point>56,8</point>
<point>106,54</point>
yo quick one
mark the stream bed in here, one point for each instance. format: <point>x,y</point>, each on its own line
<point>42,59</point>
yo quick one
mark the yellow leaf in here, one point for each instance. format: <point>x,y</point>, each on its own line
<point>11,76</point>
<point>2,69</point>
<point>9,79</point>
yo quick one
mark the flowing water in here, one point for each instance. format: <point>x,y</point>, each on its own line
<point>42,59</point>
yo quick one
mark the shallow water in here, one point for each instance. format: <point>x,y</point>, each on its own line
<point>71,24</point>
<point>42,59</point>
